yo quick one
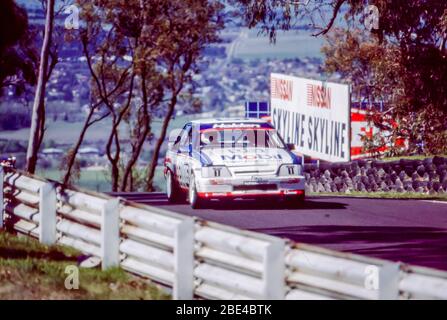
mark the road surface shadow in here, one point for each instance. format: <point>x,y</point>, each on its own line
<point>256,205</point>
<point>422,246</point>
<point>276,205</point>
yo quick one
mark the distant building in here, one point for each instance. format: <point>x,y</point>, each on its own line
<point>52,153</point>
<point>89,152</point>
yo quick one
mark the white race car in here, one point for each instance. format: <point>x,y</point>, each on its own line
<point>228,159</point>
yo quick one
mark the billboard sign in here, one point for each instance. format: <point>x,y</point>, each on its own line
<point>313,115</point>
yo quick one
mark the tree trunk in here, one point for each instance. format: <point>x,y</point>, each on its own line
<point>134,157</point>
<point>114,138</point>
<point>74,151</point>
<point>37,120</point>
<point>114,159</point>
<point>136,150</point>
<point>164,128</point>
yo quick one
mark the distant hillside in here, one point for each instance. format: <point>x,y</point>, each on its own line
<point>36,4</point>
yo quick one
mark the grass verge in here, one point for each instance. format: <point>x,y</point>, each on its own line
<point>416,157</point>
<point>30,271</point>
<point>385,195</point>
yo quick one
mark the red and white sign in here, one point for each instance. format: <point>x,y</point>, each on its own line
<point>313,115</point>
<point>361,127</point>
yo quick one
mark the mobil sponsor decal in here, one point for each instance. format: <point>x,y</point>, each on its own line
<point>236,154</point>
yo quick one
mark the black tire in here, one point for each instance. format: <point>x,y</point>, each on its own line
<point>194,200</point>
<point>294,201</point>
<point>173,190</point>
<point>226,202</point>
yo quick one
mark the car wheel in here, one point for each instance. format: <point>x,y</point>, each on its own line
<point>173,191</point>
<point>294,201</point>
<point>194,199</point>
<point>227,202</point>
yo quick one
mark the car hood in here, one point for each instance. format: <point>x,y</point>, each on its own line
<point>247,156</point>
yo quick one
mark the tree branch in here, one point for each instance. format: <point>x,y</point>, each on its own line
<point>337,7</point>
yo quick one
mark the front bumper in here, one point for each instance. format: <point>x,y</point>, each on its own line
<point>245,187</point>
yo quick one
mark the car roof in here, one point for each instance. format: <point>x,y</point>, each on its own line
<point>228,120</point>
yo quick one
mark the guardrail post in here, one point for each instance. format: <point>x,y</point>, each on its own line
<point>184,260</point>
<point>110,234</point>
<point>1,196</point>
<point>274,270</point>
<point>47,210</point>
<point>389,281</point>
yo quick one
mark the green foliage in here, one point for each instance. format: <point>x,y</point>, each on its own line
<point>371,67</point>
<point>18,57</point>
<point>10,120</point>
<point>403,62</point>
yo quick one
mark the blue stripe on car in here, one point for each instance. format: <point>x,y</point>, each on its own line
<point>202,157</point>
<point>295,158</point>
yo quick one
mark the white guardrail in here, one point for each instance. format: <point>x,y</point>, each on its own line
<point>198,258</point>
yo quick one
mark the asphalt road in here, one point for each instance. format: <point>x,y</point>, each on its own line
<point>411,231</point>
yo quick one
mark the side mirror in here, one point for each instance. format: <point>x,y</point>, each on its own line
<point>173,142</point>
<point>290,146</point>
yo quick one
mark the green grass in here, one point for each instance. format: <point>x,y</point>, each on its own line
<point>95,180</point>
<point>416,157</point>
<point>385,195</point>
<point>30,270</point>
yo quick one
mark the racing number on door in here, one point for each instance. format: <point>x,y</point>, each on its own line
<point>291,170</point>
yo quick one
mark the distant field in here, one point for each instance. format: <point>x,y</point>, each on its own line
<point>291,44</point>
<point>62,132</point>
<point>66,132</point>
<point>99,180</point>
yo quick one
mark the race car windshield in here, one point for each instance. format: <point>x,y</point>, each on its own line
<point>240,138</point>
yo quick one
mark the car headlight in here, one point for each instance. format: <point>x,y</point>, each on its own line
<point>289,170</point>
<point>215,172</point>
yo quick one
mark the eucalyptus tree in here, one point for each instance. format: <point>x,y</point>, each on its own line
<point>46,64</point>
<point>141,55</point>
